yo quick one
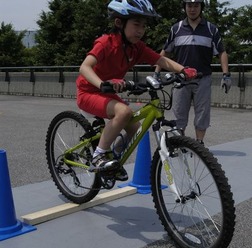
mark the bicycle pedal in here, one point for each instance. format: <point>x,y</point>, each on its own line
<point>108,181</point>
<point>108,184</point>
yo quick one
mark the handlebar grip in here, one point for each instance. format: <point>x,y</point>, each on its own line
<point>107,87</point>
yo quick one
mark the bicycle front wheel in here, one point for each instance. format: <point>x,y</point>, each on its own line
<point>75,183</point>
<point>192,196</point>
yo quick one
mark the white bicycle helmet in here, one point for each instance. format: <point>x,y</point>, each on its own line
<point>194,1</point>
<point>130,8</point>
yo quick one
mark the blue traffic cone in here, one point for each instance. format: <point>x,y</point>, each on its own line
<point>9,225</point>
<point>141,176</point>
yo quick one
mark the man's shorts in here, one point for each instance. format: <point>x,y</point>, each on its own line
<point>200,95</point>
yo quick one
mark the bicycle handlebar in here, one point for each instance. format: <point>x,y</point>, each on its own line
<point>178,79</point>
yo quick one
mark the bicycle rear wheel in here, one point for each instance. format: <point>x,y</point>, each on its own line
<point>64,132</point>
<point>201,213</point>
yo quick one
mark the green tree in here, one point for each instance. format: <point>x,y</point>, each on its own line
<point>214,11</point>
<point>30,56</point>
<point>67,30</point>
<point>11,48</point>
<point>219,14</point>
<point>171,11</point>
<point>54,35</point>
<point>91,21</point>
<point>239,37</point>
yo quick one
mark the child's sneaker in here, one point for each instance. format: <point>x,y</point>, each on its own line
<point>103,163</point>
<point>121,175</point>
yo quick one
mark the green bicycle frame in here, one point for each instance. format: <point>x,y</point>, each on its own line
<point>83,144</point>
<point>147,114</point>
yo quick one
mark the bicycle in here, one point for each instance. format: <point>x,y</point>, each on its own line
<point>190,191</point>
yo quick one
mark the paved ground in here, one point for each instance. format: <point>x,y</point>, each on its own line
<point>128,222</point>
<point>24,122</point>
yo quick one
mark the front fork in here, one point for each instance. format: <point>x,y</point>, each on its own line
<point>166,152</point>
<point>164,156</point>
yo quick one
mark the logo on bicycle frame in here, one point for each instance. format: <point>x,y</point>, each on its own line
<point>139,130</point>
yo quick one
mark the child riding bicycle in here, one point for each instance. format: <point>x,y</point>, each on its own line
<point>111,57</point>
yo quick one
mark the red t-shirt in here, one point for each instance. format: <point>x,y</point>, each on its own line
<point>113,61</point>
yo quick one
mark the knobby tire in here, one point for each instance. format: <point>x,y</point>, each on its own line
<point>75,183</point>
<point>204,216</point>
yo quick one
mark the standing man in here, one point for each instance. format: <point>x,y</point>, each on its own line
<point>193,42</point>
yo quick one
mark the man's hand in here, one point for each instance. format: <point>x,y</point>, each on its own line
<point>226,82</point>
<point>190,73</point>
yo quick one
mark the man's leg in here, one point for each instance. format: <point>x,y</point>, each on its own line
<point>202,106</point>
<point>200,134</point>
<point>181,106</point>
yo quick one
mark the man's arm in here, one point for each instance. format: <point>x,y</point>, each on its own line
<point>224,62</point>
<point>226,79</point>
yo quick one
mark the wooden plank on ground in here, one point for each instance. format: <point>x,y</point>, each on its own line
<point>69,208</point>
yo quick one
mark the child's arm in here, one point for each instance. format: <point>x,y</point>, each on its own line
<point>86,70</point>
<point>169,65</point>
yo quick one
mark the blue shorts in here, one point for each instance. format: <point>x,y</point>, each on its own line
<point>200,96</point>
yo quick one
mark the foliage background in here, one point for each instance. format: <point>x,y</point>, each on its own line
<point>67,31</point>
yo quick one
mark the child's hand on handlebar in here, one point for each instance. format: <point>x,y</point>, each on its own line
<point>113,86</point>
<point>118,85</point>
<point>190,73</point>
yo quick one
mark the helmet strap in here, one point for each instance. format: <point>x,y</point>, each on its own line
<point>120,25</point>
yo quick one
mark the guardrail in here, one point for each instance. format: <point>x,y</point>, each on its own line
<point>59,81</point>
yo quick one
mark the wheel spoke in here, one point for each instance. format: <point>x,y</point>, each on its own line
<point>64,132</point>
<point>204,214</point>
